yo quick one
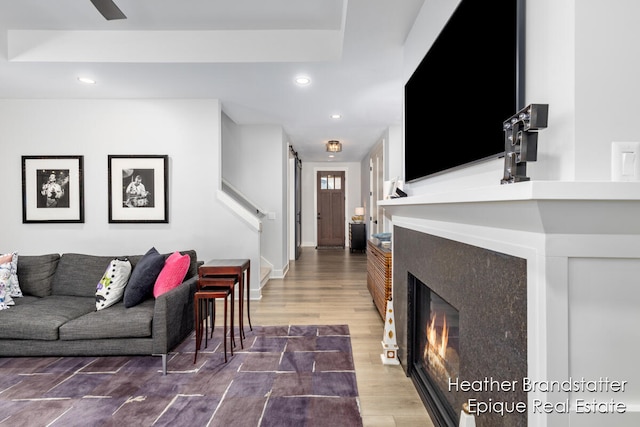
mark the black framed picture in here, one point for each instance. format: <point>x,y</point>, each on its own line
<point>138,187</point>
<point>52,189</point>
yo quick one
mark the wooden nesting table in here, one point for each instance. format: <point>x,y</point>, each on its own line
<point>204,309</point>
<point>238,268</point>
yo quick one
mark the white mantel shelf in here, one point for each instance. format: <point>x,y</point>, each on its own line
<point>551,207</point>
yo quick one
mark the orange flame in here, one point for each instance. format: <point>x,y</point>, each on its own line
<point>432,336</point>
<point>445,338</point>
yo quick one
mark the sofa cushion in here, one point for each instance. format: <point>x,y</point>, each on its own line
<point>27,299</point>
<point>78,274</point>
<point>35,273</point>
<point>116,321</point>
<point>110,289</point>
<point>41,319</point>
<point>143,277</point>
<point>172,274</point>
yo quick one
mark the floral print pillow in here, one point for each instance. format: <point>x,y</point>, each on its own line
<point>5,297</point>
<point>10,262</point>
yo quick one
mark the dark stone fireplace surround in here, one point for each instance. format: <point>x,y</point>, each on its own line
<point>490,291</point>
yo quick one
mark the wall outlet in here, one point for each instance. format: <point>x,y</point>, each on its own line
<point>625,161</point>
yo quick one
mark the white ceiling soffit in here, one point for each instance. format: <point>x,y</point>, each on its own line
<point>175,46</point>
<point>278,43</point>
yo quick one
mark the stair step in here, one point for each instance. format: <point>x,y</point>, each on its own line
<point>265,272</point>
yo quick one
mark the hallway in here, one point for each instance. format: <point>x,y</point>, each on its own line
<point>329,286</point>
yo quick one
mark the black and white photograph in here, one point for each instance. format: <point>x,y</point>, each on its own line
<point>138,188</point>
<point>52,189</point>
<point>54,192</point>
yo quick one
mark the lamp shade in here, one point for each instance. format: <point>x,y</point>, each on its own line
<point>360,211</point>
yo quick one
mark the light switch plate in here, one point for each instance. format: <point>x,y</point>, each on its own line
<point>625,161</point>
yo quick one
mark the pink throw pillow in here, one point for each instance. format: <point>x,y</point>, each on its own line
<point>172,274</point>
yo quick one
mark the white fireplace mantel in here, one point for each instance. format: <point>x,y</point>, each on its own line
<point>581,241</point>
<point>535,206</point>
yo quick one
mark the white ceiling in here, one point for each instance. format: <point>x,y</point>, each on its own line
<point>244,52</point>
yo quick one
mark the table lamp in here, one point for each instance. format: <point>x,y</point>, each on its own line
<point>359,216</point>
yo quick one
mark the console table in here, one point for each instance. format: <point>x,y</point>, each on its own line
<point>357,237</point>
<point>379,275</point>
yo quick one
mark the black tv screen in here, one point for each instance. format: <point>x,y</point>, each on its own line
<point>468,83</point>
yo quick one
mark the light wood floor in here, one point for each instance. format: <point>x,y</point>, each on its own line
<point>329,286</point>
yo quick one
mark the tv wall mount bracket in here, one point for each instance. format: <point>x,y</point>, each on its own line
<point>521,141</point>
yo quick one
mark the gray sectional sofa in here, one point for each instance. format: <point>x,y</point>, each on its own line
<point>57,316</point>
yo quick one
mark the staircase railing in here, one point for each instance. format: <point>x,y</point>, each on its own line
<point>241,204</point>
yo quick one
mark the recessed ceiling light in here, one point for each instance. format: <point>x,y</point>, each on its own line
<point>86,80</point>
<point>303,80</point>
<point>336,116</point>
<point>331,156</point>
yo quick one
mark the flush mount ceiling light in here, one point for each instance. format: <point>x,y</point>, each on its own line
<point>336,116</point>
<point>303,80</point>
<point>334,146</point>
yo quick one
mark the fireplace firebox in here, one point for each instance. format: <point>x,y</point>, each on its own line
<point>482,297</point>
<point>434,350</point>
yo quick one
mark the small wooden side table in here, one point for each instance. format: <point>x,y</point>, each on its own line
<point>240,267</point>
<point>219,283</point>
<point>203,299</point>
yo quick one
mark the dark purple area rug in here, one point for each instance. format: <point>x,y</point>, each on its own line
<point>284,376</point>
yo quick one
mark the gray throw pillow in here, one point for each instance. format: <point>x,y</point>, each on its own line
<point>143,277</point>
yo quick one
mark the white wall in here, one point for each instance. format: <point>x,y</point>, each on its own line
<point>393,152</point>
<point>550,78</point>
<point>606,80</point>
<point>255,162</point>
<point>309,196</point>
<point>188,131</point>
<point>365,177</point>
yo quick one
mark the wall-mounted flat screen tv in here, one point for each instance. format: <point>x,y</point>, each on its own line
<point>468,83</point>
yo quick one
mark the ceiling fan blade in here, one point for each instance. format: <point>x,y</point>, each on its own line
<point>108,9</point>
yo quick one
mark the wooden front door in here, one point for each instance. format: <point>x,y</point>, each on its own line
<point>331,196</point>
